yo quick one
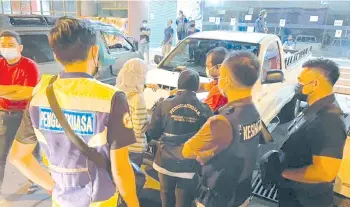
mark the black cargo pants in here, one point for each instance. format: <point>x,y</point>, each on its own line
<point>9,124</point>
<point>177,192</point>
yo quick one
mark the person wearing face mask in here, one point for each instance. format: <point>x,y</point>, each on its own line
<point>214,59</point>
<point>214,99</point>
<point>131,80</point>
<point>18,76</point>
<point>227,144</point>
<point>290,44</point>
<point>182,24</point>
<point>95,113</point>
<point>192,46</point>
<point>173,122</point>
<point>312,153</point>
<point>145,33</point>
<point>260,23</point>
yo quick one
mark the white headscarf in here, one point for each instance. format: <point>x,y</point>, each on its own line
<point>131,77</point>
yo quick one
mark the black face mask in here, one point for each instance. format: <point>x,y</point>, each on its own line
<point>299,94</point>
<point>193,25</point>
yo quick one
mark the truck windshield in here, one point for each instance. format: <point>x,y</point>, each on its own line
<point>191,53</point>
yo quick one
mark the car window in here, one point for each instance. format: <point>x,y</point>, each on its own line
<point>37,48</point>
<point>191,53</point>
<point>116,42</point>
<point>271,59</point>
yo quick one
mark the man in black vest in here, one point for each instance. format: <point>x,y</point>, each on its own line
<point>227,143</point>
<point>174,121</point>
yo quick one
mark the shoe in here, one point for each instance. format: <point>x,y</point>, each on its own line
<point>32,188</point>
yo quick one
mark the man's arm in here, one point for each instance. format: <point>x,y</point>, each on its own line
<point>16,92</point>
<point>120,135</point>
<point>171,37</point>
<point>214,136</point>
<point>123,176</point>
<point>147,32</point>
<point>327,152</point>
<point>169,40</point>
<point>19,92</point>
<point>204,87</point>
<point>21,155</point>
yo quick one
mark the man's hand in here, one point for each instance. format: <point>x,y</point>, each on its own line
<point>21,156</point>
<point>154,87</point>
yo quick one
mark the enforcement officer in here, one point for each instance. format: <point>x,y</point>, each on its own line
<point>174,121</point>
<point>18,77</point>
<point>313,151</point>
<point>98,113</point>
<point>227,143</point>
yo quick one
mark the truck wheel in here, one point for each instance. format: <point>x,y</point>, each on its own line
<point>290,110</point>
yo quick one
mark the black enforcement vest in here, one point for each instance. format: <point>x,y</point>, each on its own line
<point>183,115</point>
<point>225,179</point>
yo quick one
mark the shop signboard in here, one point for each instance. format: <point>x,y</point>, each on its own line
<point>248,17</point>
<point>218,20</point>
<point>338,22</point>
<point>338,33</point>
<point>282,22</point>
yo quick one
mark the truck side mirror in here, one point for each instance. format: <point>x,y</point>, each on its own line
<point>274,76</point>
<point>158,59</point>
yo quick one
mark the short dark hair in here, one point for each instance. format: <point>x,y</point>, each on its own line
<point>328,67</point>
<point>218,55</point>
<point>244,67</point>
<point>71,39</point>
<point>144,21</point>
<point>8,33</point>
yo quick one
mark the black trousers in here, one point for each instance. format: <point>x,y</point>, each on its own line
<point>9,124</point>
<point>177,192</point>
<point>192,51</point>
<point>136,158</point>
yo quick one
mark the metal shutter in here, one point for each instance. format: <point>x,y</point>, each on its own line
<point>161,11</point>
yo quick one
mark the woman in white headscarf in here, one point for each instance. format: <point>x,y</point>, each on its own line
<point>131,80</point>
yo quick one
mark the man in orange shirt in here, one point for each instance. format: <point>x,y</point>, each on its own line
<point>215,58</point>
<point>18,76</point>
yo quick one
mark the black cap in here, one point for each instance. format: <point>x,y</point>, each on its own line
<point>189,80</point>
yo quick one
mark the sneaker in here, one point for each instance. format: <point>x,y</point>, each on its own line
<point>32,188</point>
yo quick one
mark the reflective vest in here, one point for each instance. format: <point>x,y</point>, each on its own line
<point>86,104</point>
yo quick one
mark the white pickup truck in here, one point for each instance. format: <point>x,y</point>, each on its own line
<point>273,93</point>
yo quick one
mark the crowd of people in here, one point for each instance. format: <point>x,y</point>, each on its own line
<point>91,132</point>
<point>184,28</point>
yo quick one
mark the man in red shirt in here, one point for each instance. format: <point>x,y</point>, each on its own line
<point>18,76</point>
<point>214,59</point>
